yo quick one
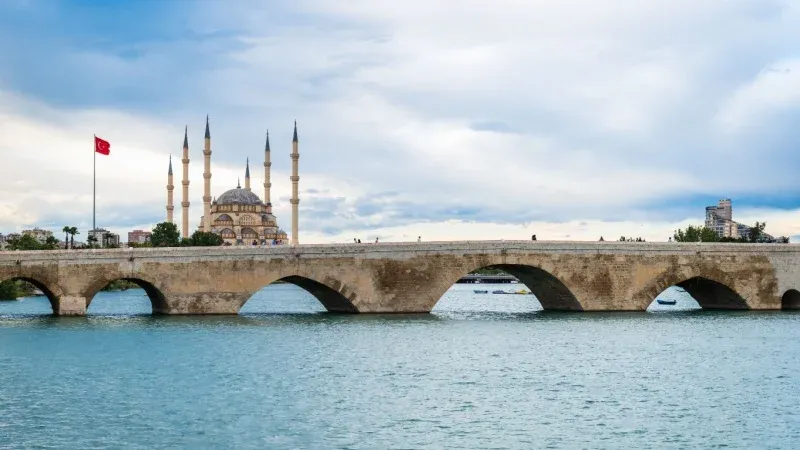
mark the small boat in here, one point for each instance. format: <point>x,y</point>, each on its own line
<point>499,292</point>
<point>666,302</point>
<point>479,291</point>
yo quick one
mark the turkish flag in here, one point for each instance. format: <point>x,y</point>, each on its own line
<point>101,146</point>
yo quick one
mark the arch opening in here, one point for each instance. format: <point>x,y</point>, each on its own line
<point>126,296</point>
<point>698,293</point>
<point>791,299</point>
<point>500,286</point>
<point>30,297</point>
<point>298,295</point>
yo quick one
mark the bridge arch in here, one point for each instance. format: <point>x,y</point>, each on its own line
<point>709,292</point>
<point>791,299</point>
<point>154,293</point>
<point>334,295</point>
<point>551,291</point>
<point>53,294</point>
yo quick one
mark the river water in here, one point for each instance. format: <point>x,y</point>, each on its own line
<point>482,371</point>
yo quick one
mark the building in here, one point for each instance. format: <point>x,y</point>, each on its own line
<point>139,236</point>
<point>104,238</point>
<point>241,218</point>
<point>720,219</point>
<point>238,215</point>
<point>39,234</point>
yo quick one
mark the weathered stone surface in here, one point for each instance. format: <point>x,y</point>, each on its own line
<point>412,277</point>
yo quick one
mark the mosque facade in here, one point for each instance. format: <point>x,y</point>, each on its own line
<point>238,215</point>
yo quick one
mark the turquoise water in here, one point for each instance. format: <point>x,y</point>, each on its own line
<point>483,371</point>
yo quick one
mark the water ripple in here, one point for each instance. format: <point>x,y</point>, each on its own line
<point>482,372</point>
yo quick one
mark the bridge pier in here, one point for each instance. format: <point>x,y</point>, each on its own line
<point>69,305</point>
<point>201,303</point>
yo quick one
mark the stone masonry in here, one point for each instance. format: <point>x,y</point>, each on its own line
<point>412,277</point>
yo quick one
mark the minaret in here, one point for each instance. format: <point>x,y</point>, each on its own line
<point>267,183</point>
<point>247,177</point>
<point>185,202</point>
<point>207,180</point>
<point>295,201</point>
<point>170,188</point>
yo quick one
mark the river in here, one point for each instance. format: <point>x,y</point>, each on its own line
<point>482,371</point>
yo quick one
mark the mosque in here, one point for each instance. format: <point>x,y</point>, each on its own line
<point>239,216</point>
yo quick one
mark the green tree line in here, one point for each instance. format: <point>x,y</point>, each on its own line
<point>166,234</point>
<point>694,233</point>
<point>28,242</point>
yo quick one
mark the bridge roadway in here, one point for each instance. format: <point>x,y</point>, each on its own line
<point>412,277</point>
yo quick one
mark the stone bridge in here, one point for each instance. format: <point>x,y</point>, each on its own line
<point>412,277</point>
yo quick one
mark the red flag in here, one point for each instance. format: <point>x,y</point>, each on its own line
<point>101,146</point>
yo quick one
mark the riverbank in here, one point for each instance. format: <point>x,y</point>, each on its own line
<point>13,289</point>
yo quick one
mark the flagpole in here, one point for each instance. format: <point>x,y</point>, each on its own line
<point>94,184</point>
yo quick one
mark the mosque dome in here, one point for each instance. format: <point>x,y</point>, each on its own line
<point>238,196</point>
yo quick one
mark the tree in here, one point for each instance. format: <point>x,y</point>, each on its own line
<point>24,242</point>
<point>733,239</point>
<point>10,290</point>
<point>51,243</point>
<point>73,231</point>
<point>107,241</point>
<point>165,234</point>
<point>92,240</point>
<point>696,234</point>
<point>66,230</point>
<point>756,231</point>
<point>204,239</point>
<point>28,242</point>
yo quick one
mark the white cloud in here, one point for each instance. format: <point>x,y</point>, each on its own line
<point>411,114</point>
<point>775,90</point>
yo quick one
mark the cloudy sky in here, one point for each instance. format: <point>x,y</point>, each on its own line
<point>449,119</point>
